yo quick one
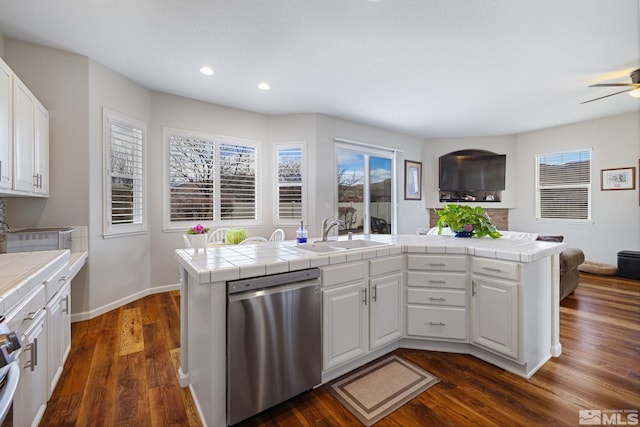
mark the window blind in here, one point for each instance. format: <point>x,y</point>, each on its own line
<point>191,179</point>
<point>126,174</point>
<point>289,185</point>
<point>238,165</point>
<point>563,186</point>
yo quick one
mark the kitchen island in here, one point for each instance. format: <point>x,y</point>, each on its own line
<point>497,300</point>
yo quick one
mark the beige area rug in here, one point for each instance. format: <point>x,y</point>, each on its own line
<point>374,392</point>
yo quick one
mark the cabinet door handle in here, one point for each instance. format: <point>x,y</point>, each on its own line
<point>473,288</point>
<point>436,299</point>
<point>33,350</point>
<point>495,270</point>
<point>66,304</point>
<point>374,294</point>
<point>63,279</point>
<point>437,281</point>
<point>364,298</point>
<point>436,324</point>
<point>437,264</point>
<point>32,315</point>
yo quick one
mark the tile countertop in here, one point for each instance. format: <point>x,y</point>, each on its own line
<point>222,263</point>
<point>22,271</point>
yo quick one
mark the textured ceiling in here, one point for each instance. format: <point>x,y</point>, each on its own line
<point>431,68</point>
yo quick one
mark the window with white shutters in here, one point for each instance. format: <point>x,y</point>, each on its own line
<point>211,180</point>
<point>563,186</point>
<point>124,141</point>
<point>290,178</point>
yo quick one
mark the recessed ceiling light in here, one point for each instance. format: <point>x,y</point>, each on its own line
<point>264,86</point>
<point>206,70</point>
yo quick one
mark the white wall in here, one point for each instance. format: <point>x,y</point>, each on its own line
<point>615,224</point>
<point>119,266</point>
<point>60,80</point>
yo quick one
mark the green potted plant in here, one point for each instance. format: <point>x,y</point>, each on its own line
<point>466,221</point>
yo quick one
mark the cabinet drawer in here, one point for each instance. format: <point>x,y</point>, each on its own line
<point>496,268</point>
<point>437,280</point>
<point>385,265</point>
<point>436,297</point>
<point>53,283</point>
<point>437,262</point>
<point>437,322</point>
<point>344,273</point>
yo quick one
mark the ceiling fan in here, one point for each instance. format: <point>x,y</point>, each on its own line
<point>633,87</point>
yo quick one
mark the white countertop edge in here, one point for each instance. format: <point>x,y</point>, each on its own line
<point>211,265</point>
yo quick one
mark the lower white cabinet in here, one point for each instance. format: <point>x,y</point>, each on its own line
<point>30,400</point>
<point>495,319</point>
<point>385,321</point>
<point>362,308</point>
<point>345,324</point>
<point>58,334</point>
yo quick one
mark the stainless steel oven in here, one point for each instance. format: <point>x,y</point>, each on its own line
<point>10,346</point>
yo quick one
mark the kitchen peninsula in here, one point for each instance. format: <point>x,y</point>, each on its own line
<point>497,300</point>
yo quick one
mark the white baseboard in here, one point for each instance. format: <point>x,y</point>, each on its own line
<point>77,317</point>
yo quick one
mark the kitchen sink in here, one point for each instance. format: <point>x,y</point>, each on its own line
<point>330,246</point>
<point>319,247</point>
<point>356,244</point>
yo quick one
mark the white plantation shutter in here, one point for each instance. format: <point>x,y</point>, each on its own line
<point>210,180</point>
<point>238,166</point>
<point>289,189</point>
<point>563,186</point>
<point>192,178</point>
<point>124,184</point>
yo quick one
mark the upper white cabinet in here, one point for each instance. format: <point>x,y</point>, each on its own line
<point>41,157</point>
<point>6,126</point>
<point>24,138</point>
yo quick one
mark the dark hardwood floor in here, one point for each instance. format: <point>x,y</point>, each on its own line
<point>122,371</point>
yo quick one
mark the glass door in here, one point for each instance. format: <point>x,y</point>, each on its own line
<point>366,190</point>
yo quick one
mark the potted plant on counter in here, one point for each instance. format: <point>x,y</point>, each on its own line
<point>197,237</point>
<point>466,221</point>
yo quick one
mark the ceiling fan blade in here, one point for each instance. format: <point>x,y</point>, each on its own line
<point>606,96</point>
<point>614,84</point>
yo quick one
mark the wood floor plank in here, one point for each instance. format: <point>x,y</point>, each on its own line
<point>599,369</point>
<point>131,339</point>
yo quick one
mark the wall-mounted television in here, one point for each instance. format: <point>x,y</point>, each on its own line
<point>472,170</point>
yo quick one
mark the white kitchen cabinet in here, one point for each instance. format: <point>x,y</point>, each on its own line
<point>495,321</point>
<point>41,156</point>
<point>6,126</point>
<point>23,137</point>
<point>437,297</point>
<point>345,323</point>
<point>58,334</point>
<point>29,161</point>
<point>362,308</point>
<point>30,399</point>
<point>385,301</point>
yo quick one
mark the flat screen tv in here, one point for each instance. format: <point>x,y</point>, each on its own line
<point>472,170</point>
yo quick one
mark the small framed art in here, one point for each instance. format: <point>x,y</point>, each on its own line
<point>618,179</point>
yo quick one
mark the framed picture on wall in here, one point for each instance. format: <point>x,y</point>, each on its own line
<point>618,179</point>
<point>412,180</point>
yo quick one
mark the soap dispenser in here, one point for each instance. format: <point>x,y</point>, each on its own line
<point>301,234</point>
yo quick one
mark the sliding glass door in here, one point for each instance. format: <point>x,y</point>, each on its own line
<point>366,189</point>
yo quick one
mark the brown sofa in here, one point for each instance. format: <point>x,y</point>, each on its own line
<point>570,259</point>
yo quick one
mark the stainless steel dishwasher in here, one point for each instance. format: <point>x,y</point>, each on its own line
<point>274,340</point>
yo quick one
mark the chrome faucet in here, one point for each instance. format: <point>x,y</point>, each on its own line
<point>327,227</point>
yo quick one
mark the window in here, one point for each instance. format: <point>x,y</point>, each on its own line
<point>290,180</point>
<point>366,189</point>
<point>211,180</point>
<point>563,186</point>
<point>124,144</point>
